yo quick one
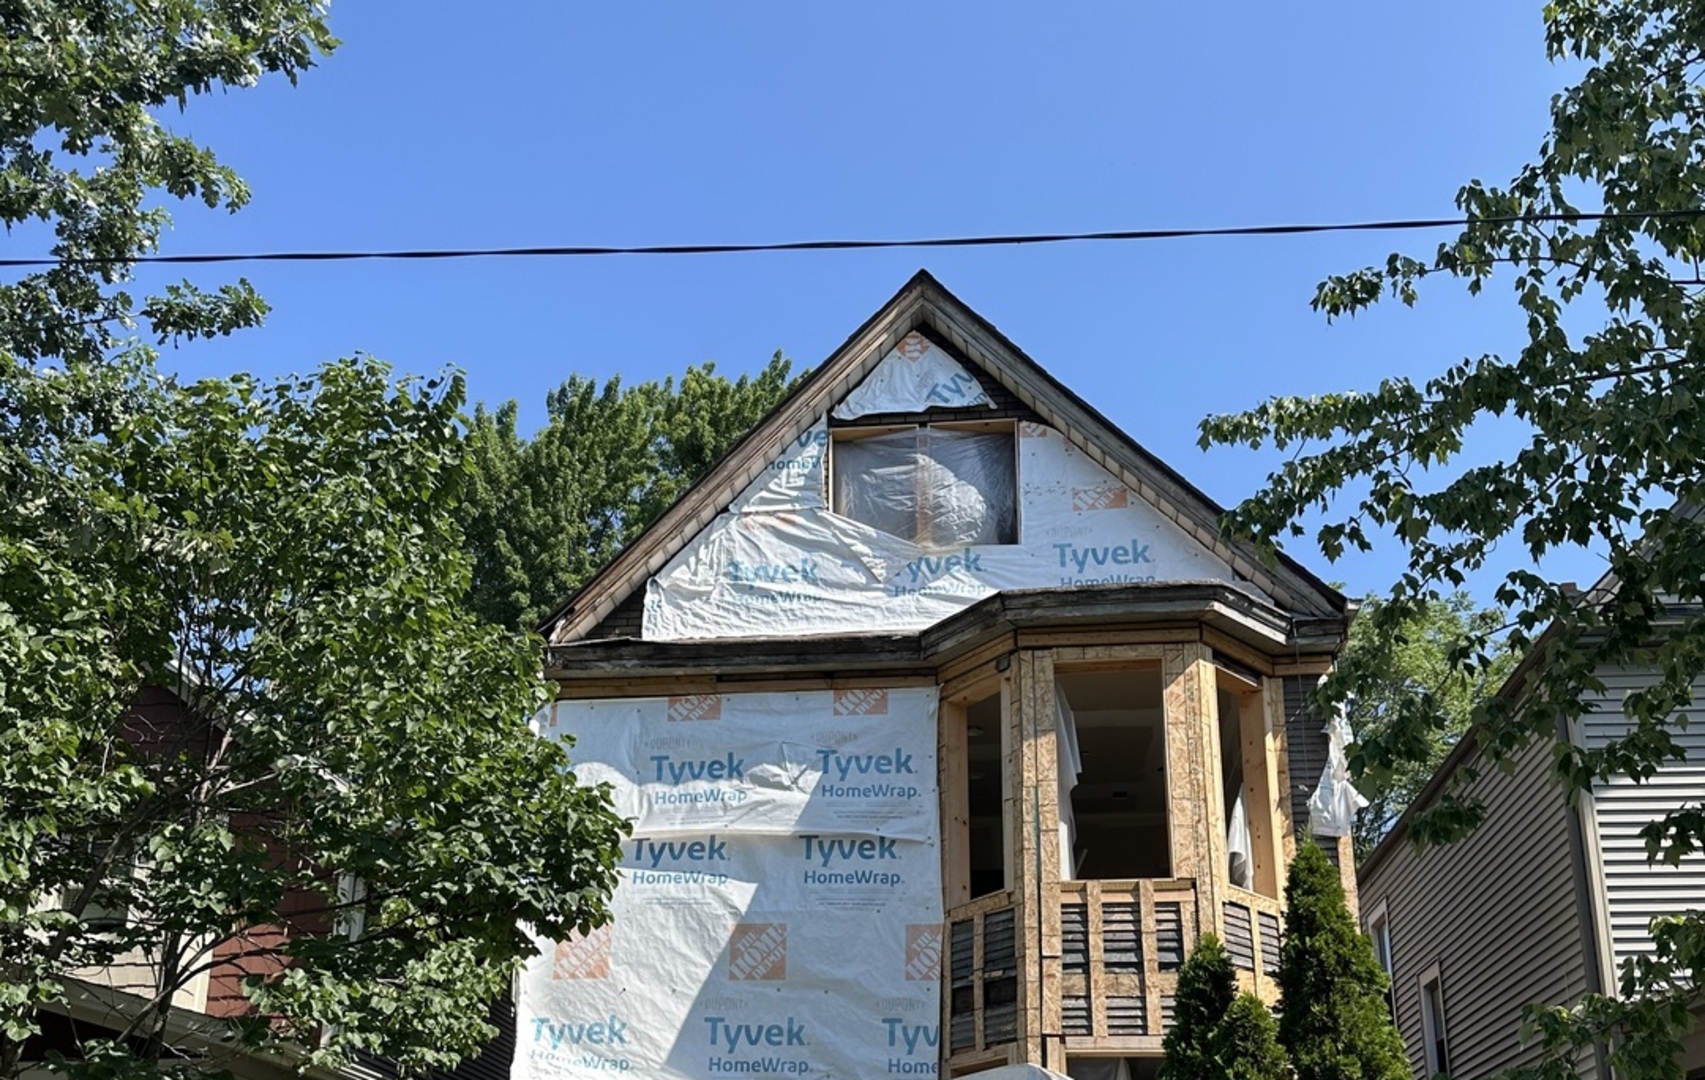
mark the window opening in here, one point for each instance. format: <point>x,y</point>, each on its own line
<point>1240,849</point>
<point>938,487</point>
<point>1118,805</point>
<point>985,796</point>
<point>1379,933</point>
<point>1433,1024</point>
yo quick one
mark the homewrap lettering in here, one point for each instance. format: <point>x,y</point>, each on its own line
<point>933,566</point>
<point>804,572</point>
<point>844,765</point>
<point>669,770</point>
<point>601,1033</point>
<point>656,852</point>
<point>734,1036</point>
<point>770,1065</point>
<point>911,1036</point>
<point>818,849</point>
<point>1082,558</point>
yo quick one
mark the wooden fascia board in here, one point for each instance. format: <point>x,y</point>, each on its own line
<point>1216,605</point>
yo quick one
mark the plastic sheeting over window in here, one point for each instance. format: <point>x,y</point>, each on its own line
<point>935,487</point>
<point>1069,763</point>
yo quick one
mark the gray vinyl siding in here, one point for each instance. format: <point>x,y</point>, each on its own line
<point>1636,891</point>
<point>1305,748</point>
<point>1499,913</point>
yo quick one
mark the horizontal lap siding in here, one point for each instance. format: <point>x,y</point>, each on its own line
<point>1498,912</point>
<point>1305,746</point>
<point>1636,891</point>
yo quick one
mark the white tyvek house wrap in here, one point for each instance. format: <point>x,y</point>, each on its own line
<point>915,376</point>
<point>750,948</point>
<point>779,563</point>
<point>1333,806</point>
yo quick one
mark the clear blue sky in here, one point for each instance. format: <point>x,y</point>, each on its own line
<point>520,123</point>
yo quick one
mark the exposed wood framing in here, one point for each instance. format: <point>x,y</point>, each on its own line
<point>1193,777</point>
<point>1262,792</point>
<point>954,793</point>
<point>1275,717</point>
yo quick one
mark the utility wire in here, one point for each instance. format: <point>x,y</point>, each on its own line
<point>1406,224</point>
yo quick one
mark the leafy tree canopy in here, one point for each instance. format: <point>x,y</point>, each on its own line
<point>1609,387</point>
<point>1412,664</point>
<point>286,557</point>
<point>547,512</point>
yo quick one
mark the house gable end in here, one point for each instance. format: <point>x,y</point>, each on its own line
<point>928,321</point>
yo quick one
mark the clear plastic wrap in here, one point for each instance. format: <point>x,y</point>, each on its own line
<point>935,487</point>
<point>1333,806</point>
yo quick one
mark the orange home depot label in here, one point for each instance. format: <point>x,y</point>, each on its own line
<point>923,951</point>
<point>583,957</point>
<point>861,703</point>
<point>1111,497</point>
<point>913,346</point>
<point>695,707</point>
<point>758,952</point>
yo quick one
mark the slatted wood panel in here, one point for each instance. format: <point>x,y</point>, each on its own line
<point>1074,937</point>
<point>1127,1016</point>
<point>1271,942</point>
<point>1305,747</point>
<point>1075,1016</point>
<point>1239,935</point>
<point>1168,1012</point>
<point>1169,935</point>
<point>1000,978</point>
<point>1121,936</point>
<point>962,1012</point>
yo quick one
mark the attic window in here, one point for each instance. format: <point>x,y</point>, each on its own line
<point>937,486</point>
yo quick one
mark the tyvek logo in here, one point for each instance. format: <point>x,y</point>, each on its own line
<point>1109,497</point>
<point>1030,429</point>
<point>912,347</point>
<point>757,952</point>
<point>695,707</point>
<point>861,703</point>
<point>923,952</point>
<point>583,957</point>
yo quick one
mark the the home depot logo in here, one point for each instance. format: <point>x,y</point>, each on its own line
<point>695,707</point>
<point>912,347</point>
<point>758,952</point>
<point>583,956</point>
<point>923,951</point>
<point>1110,497</point>
<point>861,703</point>
<point>1030,429</point>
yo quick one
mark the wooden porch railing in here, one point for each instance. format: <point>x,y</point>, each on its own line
<point>1121,945</point>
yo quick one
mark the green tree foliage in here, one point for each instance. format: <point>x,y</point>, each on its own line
<point>547,512</point>
<point>1391,674</point>
<point>1608,393</point>
<point>287,558</point>
<point>1217,1032</point>
<point>1333,1021</point>
<point>289,554</point>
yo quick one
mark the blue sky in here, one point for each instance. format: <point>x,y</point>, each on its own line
<point>521,123</point>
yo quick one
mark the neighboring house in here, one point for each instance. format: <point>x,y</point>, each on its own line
<point>1539,905</point>
<point>947,720</point>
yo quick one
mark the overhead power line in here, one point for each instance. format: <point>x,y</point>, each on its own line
<point>1009,240</point>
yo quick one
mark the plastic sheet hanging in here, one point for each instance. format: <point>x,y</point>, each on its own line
<point>1069,764</point>
<point>933,487</point>
<point>1333,806</point>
